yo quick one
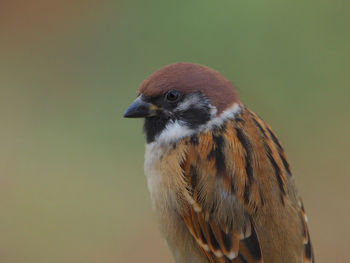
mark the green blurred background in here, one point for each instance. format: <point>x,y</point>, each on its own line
<point>71,169</point>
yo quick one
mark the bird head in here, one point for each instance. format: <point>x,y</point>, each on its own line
<point>182,99</point>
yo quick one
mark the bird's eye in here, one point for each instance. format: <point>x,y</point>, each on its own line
<point>172,96</point>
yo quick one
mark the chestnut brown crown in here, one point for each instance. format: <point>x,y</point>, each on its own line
<point>188,78</point>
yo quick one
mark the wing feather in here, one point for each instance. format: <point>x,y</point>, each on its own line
<point>222,172</point>
<point>308,251</point>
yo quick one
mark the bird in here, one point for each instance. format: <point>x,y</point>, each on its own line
<point>220,183</point>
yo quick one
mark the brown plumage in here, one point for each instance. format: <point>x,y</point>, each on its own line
<point>223,190</point>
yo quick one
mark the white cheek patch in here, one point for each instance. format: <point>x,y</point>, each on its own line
<point>193,101</point>
<point>177,130</point>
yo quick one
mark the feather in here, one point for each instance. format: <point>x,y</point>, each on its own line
<point>224,169</point>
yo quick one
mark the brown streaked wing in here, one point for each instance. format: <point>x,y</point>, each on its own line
<point>206,171</point>
<point>220,246</point>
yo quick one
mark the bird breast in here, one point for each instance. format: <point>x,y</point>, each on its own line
<point>164,174</point>
<point>166,183</point>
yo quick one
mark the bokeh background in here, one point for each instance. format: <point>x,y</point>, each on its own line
<point>72,187</point>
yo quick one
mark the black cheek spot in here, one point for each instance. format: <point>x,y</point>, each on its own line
<point>195,117</point>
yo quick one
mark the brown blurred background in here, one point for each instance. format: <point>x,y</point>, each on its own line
<point>71,169</point>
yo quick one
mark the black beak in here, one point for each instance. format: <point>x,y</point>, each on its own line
<point>140,109</point>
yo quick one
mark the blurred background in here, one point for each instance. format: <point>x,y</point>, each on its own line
<point>72,187</point>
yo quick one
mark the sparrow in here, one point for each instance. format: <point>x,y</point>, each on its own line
<point>220,182</point>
